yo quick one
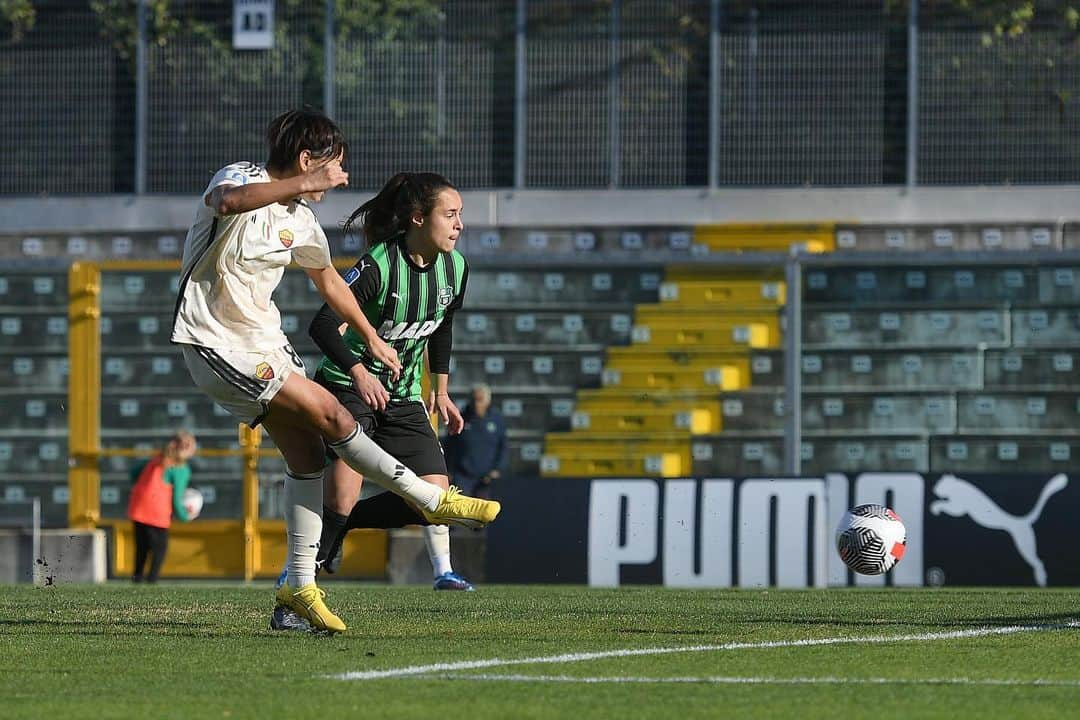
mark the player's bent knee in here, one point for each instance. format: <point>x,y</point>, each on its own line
<point>333,420</point>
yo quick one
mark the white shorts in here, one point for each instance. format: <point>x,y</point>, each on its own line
<point>241,381</point>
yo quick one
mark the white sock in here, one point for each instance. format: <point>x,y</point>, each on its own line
<point>437,539</point>
<point>303,524</point>
<point>365,457</point>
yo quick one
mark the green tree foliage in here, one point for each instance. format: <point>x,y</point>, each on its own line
<point>18,16</point>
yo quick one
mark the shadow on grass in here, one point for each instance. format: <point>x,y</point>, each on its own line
<point>1051,619</point>
<point>124,626</point>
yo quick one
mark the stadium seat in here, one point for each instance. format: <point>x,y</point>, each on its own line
<point>561,286</point>
<point>23,290</point>
<point>1042,327</point>
<point>34,412</point>
<point>878,413</point>
<point>675,330</point>
<point>39,454</point>
<point>915,369</point>
<point>580,455</point>
<point>723,294</point>
<point>574,242</point>
<point>765,367</point>
<point>738,455</point>
<point>891,238</point>
<point>766,237</point>
<point>753,410</point>
<point>855,453</point>
<point>722,374</point>
<point>1018,412</point>
<point>966,454</point>
<point>34,372</point>
<point>137,330</point>
<point>24,332</point>
<point>533,409</point>
<point>165,369</point>
<point>135,411</point>
<point>901,327</point>
<point>129,290</point>
<point>1057,368</point>
<point>693,417</point>
<point>527,368</point>
<point>520,327</point>
<point>1059,285</point>
<point>958,285</point>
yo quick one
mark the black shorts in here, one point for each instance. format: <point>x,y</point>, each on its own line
<point>403,429</point>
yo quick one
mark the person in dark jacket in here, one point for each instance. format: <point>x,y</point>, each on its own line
<point>477,455</point>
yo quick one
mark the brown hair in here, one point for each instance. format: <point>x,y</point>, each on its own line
<point>294,131</point>
<point>388,213</point>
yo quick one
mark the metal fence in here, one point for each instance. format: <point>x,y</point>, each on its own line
<point>544,93</point>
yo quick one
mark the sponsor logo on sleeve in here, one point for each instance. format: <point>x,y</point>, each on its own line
<point>352,276</point>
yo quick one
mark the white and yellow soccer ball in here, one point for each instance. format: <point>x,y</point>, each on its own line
<point>871,539</point>
<point>193,502</point>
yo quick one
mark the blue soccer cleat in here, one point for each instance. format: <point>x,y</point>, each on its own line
<point>282,578</point>
<point>453,581</point>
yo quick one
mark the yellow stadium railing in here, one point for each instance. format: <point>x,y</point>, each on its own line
<point>246,547</point>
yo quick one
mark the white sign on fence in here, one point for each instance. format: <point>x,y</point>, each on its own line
<point>253,24</point>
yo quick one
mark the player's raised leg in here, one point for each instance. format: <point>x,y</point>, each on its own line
<point>300,396</point>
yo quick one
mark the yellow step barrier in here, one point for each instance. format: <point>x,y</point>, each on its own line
<point>671,334</point>
<point>723,293</point>
<point>215,549</point>
<point>767,237</point>
<point>702,317</point>
<point>623,398</point>
<point>568,455</point>
<point>727,376</point>
<point>611,400</point>
<point>679,272</point>
<point>632,357</point>
<point>701,418</point>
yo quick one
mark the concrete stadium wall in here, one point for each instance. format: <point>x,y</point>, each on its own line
<point>543,208</point>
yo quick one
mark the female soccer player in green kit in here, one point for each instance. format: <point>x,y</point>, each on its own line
<point>408,284</point>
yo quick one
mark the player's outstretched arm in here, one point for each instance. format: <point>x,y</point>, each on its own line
<point>340,298</point>
<point>233,199</point>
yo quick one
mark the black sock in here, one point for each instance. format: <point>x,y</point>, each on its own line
<point>385,510</point>
<point>333,533</point>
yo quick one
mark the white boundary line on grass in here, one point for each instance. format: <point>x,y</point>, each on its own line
<point>725,680</point>
<point>442,668</point>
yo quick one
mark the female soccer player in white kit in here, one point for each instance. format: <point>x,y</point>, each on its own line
<point>252,222</point>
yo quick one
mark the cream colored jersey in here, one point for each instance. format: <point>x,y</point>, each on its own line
<point>233,263</point>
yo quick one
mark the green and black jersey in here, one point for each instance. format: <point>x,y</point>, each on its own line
<point>407,304</point>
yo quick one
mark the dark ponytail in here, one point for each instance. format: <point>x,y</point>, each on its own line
<point>388,213</point>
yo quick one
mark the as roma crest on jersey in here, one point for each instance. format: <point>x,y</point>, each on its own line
<point>446,294</point>
<point>263,371</point>
<point>286,238</point>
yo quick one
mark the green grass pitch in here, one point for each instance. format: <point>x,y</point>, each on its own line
<point>203,651</point>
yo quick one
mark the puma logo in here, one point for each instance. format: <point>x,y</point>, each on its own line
<point>959,497</point>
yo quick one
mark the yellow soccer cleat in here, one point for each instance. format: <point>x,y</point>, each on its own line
<point>308,603</point>
<point>458,509</point>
